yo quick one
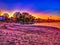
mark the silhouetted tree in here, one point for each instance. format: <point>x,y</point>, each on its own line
<point>6,15</point>
<point>24,17</point>
<point>16,16</point>
<point>28,18</point>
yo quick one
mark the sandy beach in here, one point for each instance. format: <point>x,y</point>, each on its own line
<point>19,34</point>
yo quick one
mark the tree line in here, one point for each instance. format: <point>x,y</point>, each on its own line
<point>20,17</point>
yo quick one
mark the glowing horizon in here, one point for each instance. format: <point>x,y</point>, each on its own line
<point>37,15</point>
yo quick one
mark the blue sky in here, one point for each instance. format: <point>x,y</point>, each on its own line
<point>44,6</point>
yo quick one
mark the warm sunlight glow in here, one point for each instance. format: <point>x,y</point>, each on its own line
<point>46,16</point>
<point>37,15</point>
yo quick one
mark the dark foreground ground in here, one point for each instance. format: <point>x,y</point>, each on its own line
<point>18,34</point>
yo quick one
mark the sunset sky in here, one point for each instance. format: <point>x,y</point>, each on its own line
<point>38,8</point>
